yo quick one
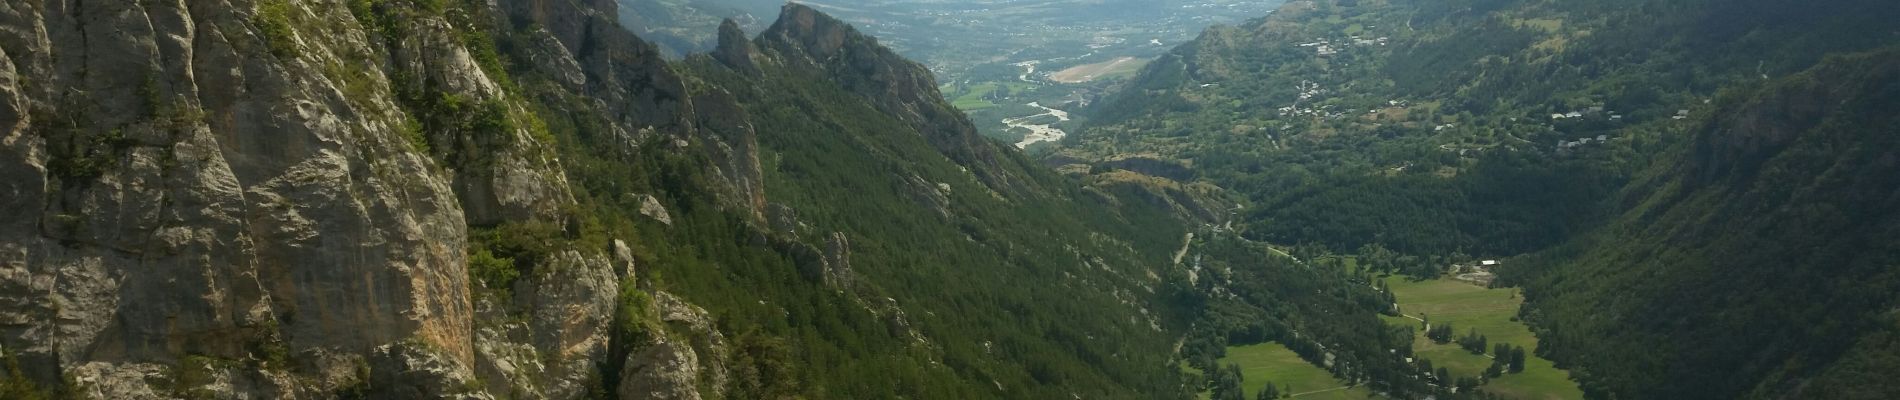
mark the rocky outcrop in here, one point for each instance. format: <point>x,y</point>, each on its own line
<point>676,365</point>
<point>784,220</point>
<point>501,171</point>
<point>625,77</point>
<point>928,195</point>
<point>546,344</point>
<point>838,274</point>
<point>651,208</point>
<point>736,49</point>
<point>664,370</point>
<point>624,262</point>
<point>898,87</point>
<point>243,198</point>
<point>728,138</point>
<point>185,181</point>
<point>418,371</point>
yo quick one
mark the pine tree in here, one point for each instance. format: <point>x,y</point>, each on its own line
<point>1227,384</point>
<point>1269,392</point>
<point>1517,359</point>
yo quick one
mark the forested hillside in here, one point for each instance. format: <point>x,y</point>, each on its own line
<point>1756,261</point>
<point>1697,186</point>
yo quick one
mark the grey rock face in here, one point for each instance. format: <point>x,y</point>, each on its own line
<point>108,381</point>
<point>236,191</point>
<point>180,190</point>
<point>183,182</point>
<point>784,219</point>
<point>838,273</point>
<point>624,263</point>
<point>733,145</point>
<point>625,76</point>
<point>415,371</point>
<point>676,365</point>
<point>571,303</point>
<point>802,36</point>
<point>702,336</point>
<point>650,206</point>
<point>498,176</point>
<point>735,49</point>
<point>663,371</point>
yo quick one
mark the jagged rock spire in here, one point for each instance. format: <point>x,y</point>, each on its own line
<point>897,86</point>
<point>735,49</point>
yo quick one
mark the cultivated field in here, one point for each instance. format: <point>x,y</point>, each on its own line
<point>1118,67</point>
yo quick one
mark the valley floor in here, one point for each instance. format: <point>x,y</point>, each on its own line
<point>1265,363</point>
<point>1491,312</point>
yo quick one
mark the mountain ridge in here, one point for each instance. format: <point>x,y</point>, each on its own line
<point>462,199</point>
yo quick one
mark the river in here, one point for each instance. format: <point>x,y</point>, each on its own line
<point>1038,132</point>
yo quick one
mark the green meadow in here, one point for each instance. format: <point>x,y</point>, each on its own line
<point>1492,313</point>
<point>1273,362</point>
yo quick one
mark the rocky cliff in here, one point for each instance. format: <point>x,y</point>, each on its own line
<point>274,199</point>
<point>521,199</point>
<point>898,87</point>
<point>190,182</point>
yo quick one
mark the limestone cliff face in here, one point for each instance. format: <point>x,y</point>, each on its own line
<point>628,86</point>
<point>624,75</point>
<point>735,49</point>
<point>277,195</point>
<point>184,182</point>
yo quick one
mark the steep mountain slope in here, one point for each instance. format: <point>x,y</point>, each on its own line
<point>1758,261</point>
<point>278,199</point>
<point>522,199</point>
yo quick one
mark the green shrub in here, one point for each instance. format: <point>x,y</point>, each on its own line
<point>499,255</point>
<point>273,21</point>
<point>636,319</point>
<point>193,373</point>
<point>495,273</point>
<point>15,385</point>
